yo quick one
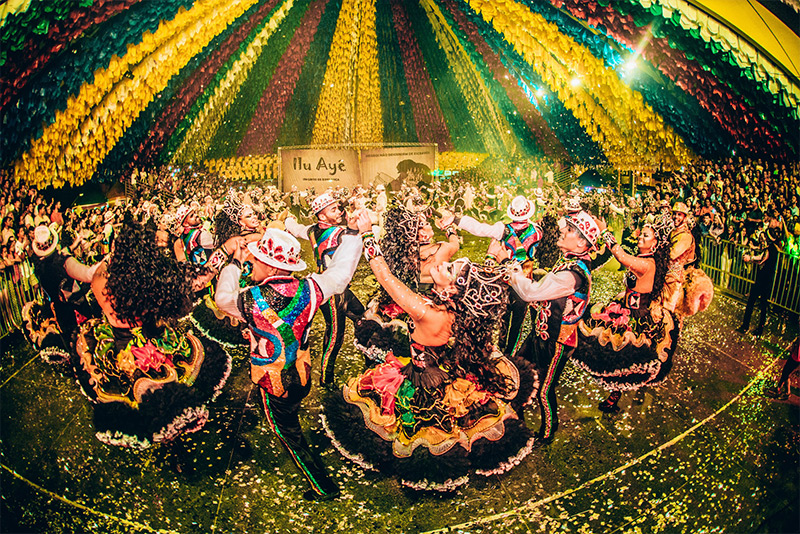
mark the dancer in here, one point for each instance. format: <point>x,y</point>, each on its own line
<point>559,301</point>
<point>449,409</point>
<point>629,342</point>
<point>52,325</point>
<point>326,237</point>
<point>520,237</point>
<point>411,256</point>
<point>682,253</point>
<point>194,244</point>
<point>278,311</point>
<point>236,223</point>
<point>148,382</point>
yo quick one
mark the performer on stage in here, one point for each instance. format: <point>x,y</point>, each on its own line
<point>520,237</point>
<point>449,409</point>
<point>682,253</point>
<point>559,301</point>
<point>326,237</point>
<point>629,342</point>
<point>148,381</point>
<point>278,311</point>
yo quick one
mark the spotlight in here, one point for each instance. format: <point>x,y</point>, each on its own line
<point>575,82</point>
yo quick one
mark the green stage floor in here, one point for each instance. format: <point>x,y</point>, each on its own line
<point>705,452</point>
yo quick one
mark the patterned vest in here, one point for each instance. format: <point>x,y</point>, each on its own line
<point>279,313</point>
<point>557,320</point>
<point>195,253</point>
<point>522,246</point>
<point>325,242</point>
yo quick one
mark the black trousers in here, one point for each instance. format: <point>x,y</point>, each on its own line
<point>335,311</point>
<point>760,290</point>
<point>517,312</point>
<point>550,358</point>
<point>284,419</point>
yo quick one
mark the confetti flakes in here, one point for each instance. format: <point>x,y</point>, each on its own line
<point>731,474</point>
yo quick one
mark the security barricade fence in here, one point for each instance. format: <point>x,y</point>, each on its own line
<point>18,285</point>
<point>722,261</point>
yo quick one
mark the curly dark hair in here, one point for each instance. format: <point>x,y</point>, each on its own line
<point>547,251</point>
<point>225,228</point>
<point>474,334</point>
<point>145,285</point>
<point>400,246</point>
<point>661,257</point>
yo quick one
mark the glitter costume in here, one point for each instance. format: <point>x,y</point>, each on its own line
<point>325,240</point>
<point>278,312</point>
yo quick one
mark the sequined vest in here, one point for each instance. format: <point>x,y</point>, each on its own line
<point>557,320</point>
<point>522,245</point>
<point>279,313</point>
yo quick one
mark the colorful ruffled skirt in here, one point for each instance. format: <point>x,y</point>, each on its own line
<point>431,433</point>
<point>147,390</point>
<point>624,351</point>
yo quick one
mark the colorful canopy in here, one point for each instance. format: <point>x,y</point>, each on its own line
<point>90,90</point>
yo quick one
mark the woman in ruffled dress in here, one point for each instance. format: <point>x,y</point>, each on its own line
<point>236,222</point>
<point>148,381</point>
<point>451,407</point>
<point>629,342</point>
<point>411,253</point>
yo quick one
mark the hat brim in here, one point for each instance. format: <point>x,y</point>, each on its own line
<point>299,266</point>
<point>44,252</point>
<point>334,201</point>
<point>525,216</point>
<point>592,245</point>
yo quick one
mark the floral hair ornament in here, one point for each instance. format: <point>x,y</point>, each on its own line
<point>480,288</point>
<point>234,206</point>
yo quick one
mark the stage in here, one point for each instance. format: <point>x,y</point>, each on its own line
<point>705,452</point>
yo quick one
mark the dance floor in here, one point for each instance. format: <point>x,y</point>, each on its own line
<point>705,452</point>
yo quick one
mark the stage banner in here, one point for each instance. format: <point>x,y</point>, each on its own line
<point>392,165</point>
<point>318,168</point>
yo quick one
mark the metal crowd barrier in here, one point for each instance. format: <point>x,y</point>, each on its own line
<point>17,286</point>
<point>722,262</point>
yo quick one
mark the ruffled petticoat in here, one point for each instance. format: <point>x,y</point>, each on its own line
<point>151,389</point>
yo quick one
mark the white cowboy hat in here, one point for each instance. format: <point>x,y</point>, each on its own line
<point>322,202</point>
<point>45,240</point>
<point>278,249</point>
<point>573,205</point>
<point>586,225</point>
<point>520,209</point>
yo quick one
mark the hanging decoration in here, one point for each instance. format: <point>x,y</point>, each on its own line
<point>349,104</point>
<point>270,114</point>
<point>428,119</point>
<point>631,134</point>
<point>70,149</point>
<point>198,138</point>
<point>490,123</point>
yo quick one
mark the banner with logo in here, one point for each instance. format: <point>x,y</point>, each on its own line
<point>319,168</point>
<point>392,166</point>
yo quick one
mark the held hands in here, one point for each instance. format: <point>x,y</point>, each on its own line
<point>497,251</point>
<point>352,219</point>
<point>446,219</point>
<point>362,221</point>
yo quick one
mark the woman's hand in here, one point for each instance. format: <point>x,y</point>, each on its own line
<point>446,220</point>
